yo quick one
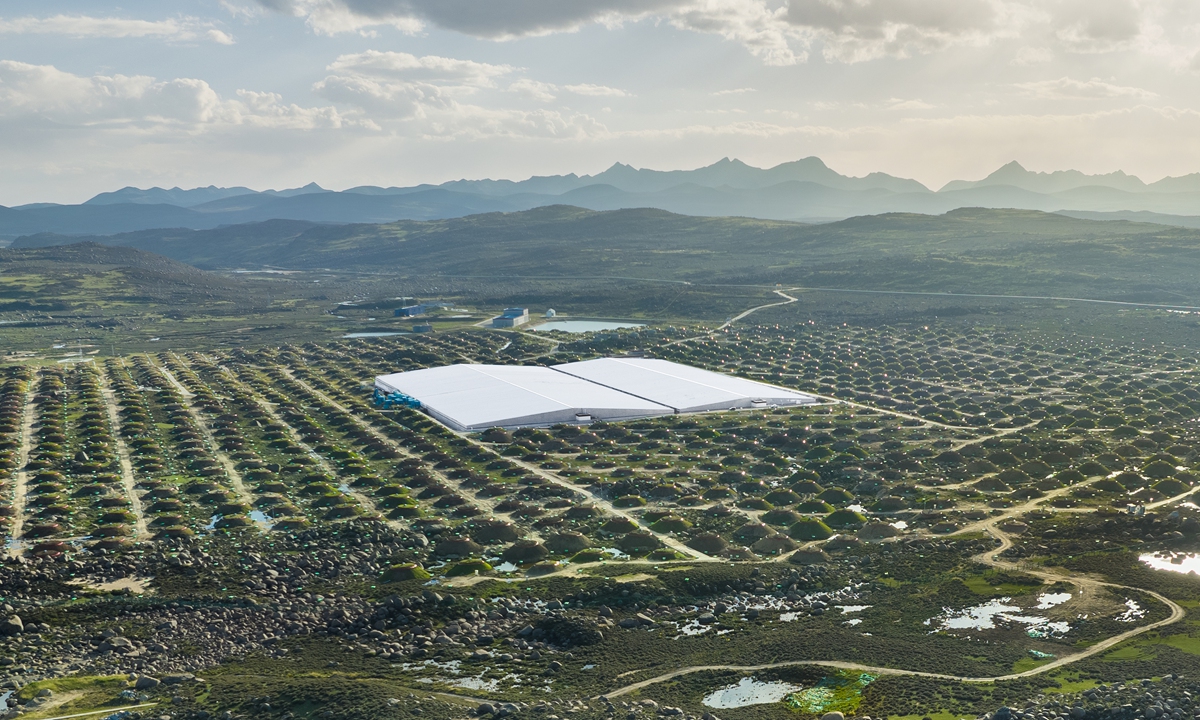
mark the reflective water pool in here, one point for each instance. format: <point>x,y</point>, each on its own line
<point>749,691</point>
<point>582,326</point>
<point>1172,562</point>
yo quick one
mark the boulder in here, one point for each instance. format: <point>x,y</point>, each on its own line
<point>145,683</point>
<point>12,626</point>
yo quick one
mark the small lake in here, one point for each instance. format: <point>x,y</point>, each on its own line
<point>583,326</point>
<point>749,691</point>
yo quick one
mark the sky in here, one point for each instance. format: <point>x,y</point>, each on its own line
<point>279,93</point>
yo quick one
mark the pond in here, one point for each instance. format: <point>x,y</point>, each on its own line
<point>1173,562</point>
<point>749,691</point>
<point>988,615</point>
<point>583,326</point>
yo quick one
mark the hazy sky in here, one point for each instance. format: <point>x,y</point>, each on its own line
<point>275,93</point>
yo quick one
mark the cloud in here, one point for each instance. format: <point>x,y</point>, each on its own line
<point>494,19</point>
<point>734,91</point>
<point>1032,56</point>
<point>758,27</point>
<point>50,97</point>
<point>590,90</point>
<point>404,67</point>
<point>219,37</point>
<point>1066,88</point>
<point>784,32</point>
<point>426,96</point>
<point>1097,25</point>
<point>83,26</point>
<point>750,22</point>
<point>899,104</point>
<point>534,90</point>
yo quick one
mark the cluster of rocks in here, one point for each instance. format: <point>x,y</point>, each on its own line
<point>1173,698</point>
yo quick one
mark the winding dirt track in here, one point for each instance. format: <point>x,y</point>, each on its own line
<point>128,481</point>
<point>991,558</point>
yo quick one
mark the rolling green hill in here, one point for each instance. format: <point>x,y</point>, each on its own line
<point>969,250</point>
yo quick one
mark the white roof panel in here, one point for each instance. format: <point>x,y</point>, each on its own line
<point>476,397</point>
<point>681,387</point>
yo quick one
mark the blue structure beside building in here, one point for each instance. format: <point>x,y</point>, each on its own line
<point>511,317</point>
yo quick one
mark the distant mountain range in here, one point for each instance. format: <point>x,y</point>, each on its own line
<point>804,190</point>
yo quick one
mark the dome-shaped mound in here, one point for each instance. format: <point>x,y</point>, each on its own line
<point>781,517</point>
<point>844,519</point>
<point>456,547</point>
<point>619,526</point>
<point>708,543</point>
<point>775,545</point>
<point>875,531</point>
<point>404,572</point>
<point>567,543</point>
<point>487,531</point>
<point>525,552</point>
<point>835,496</point>
<point>637,543</point>
<point>808,557</point>
<point>809,529</point>
<point>814,507</point>
<point>752,532</point>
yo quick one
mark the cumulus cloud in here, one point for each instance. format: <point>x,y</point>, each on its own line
<point>901,104</point>
<point>43,93</point>
<point>83,26</point>
<point>429,96</point>
<point>757,24</point>
<point>590,90</point>
<point>1068,88</point>
<point>534,90</point>
<point>784,32</point>
<point>1097,25</point>
<point>496,19</point>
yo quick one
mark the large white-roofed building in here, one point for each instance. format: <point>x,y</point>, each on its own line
<point>682,388</point>
<point>477,397</point>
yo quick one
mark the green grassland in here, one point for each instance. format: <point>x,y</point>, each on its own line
<point>942,412</point>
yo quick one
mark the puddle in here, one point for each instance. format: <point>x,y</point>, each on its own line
<point>476,683</point>
<point>4,700</point>
<point>1049,600</point>
<point>693,628</point>
<point>1173,562</point>
<point>988,615</point>
<point>1133,612</point>
<point>260,518</point>
<point>136,585</point>
<point>749,691</point>
<point>212,522</point>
